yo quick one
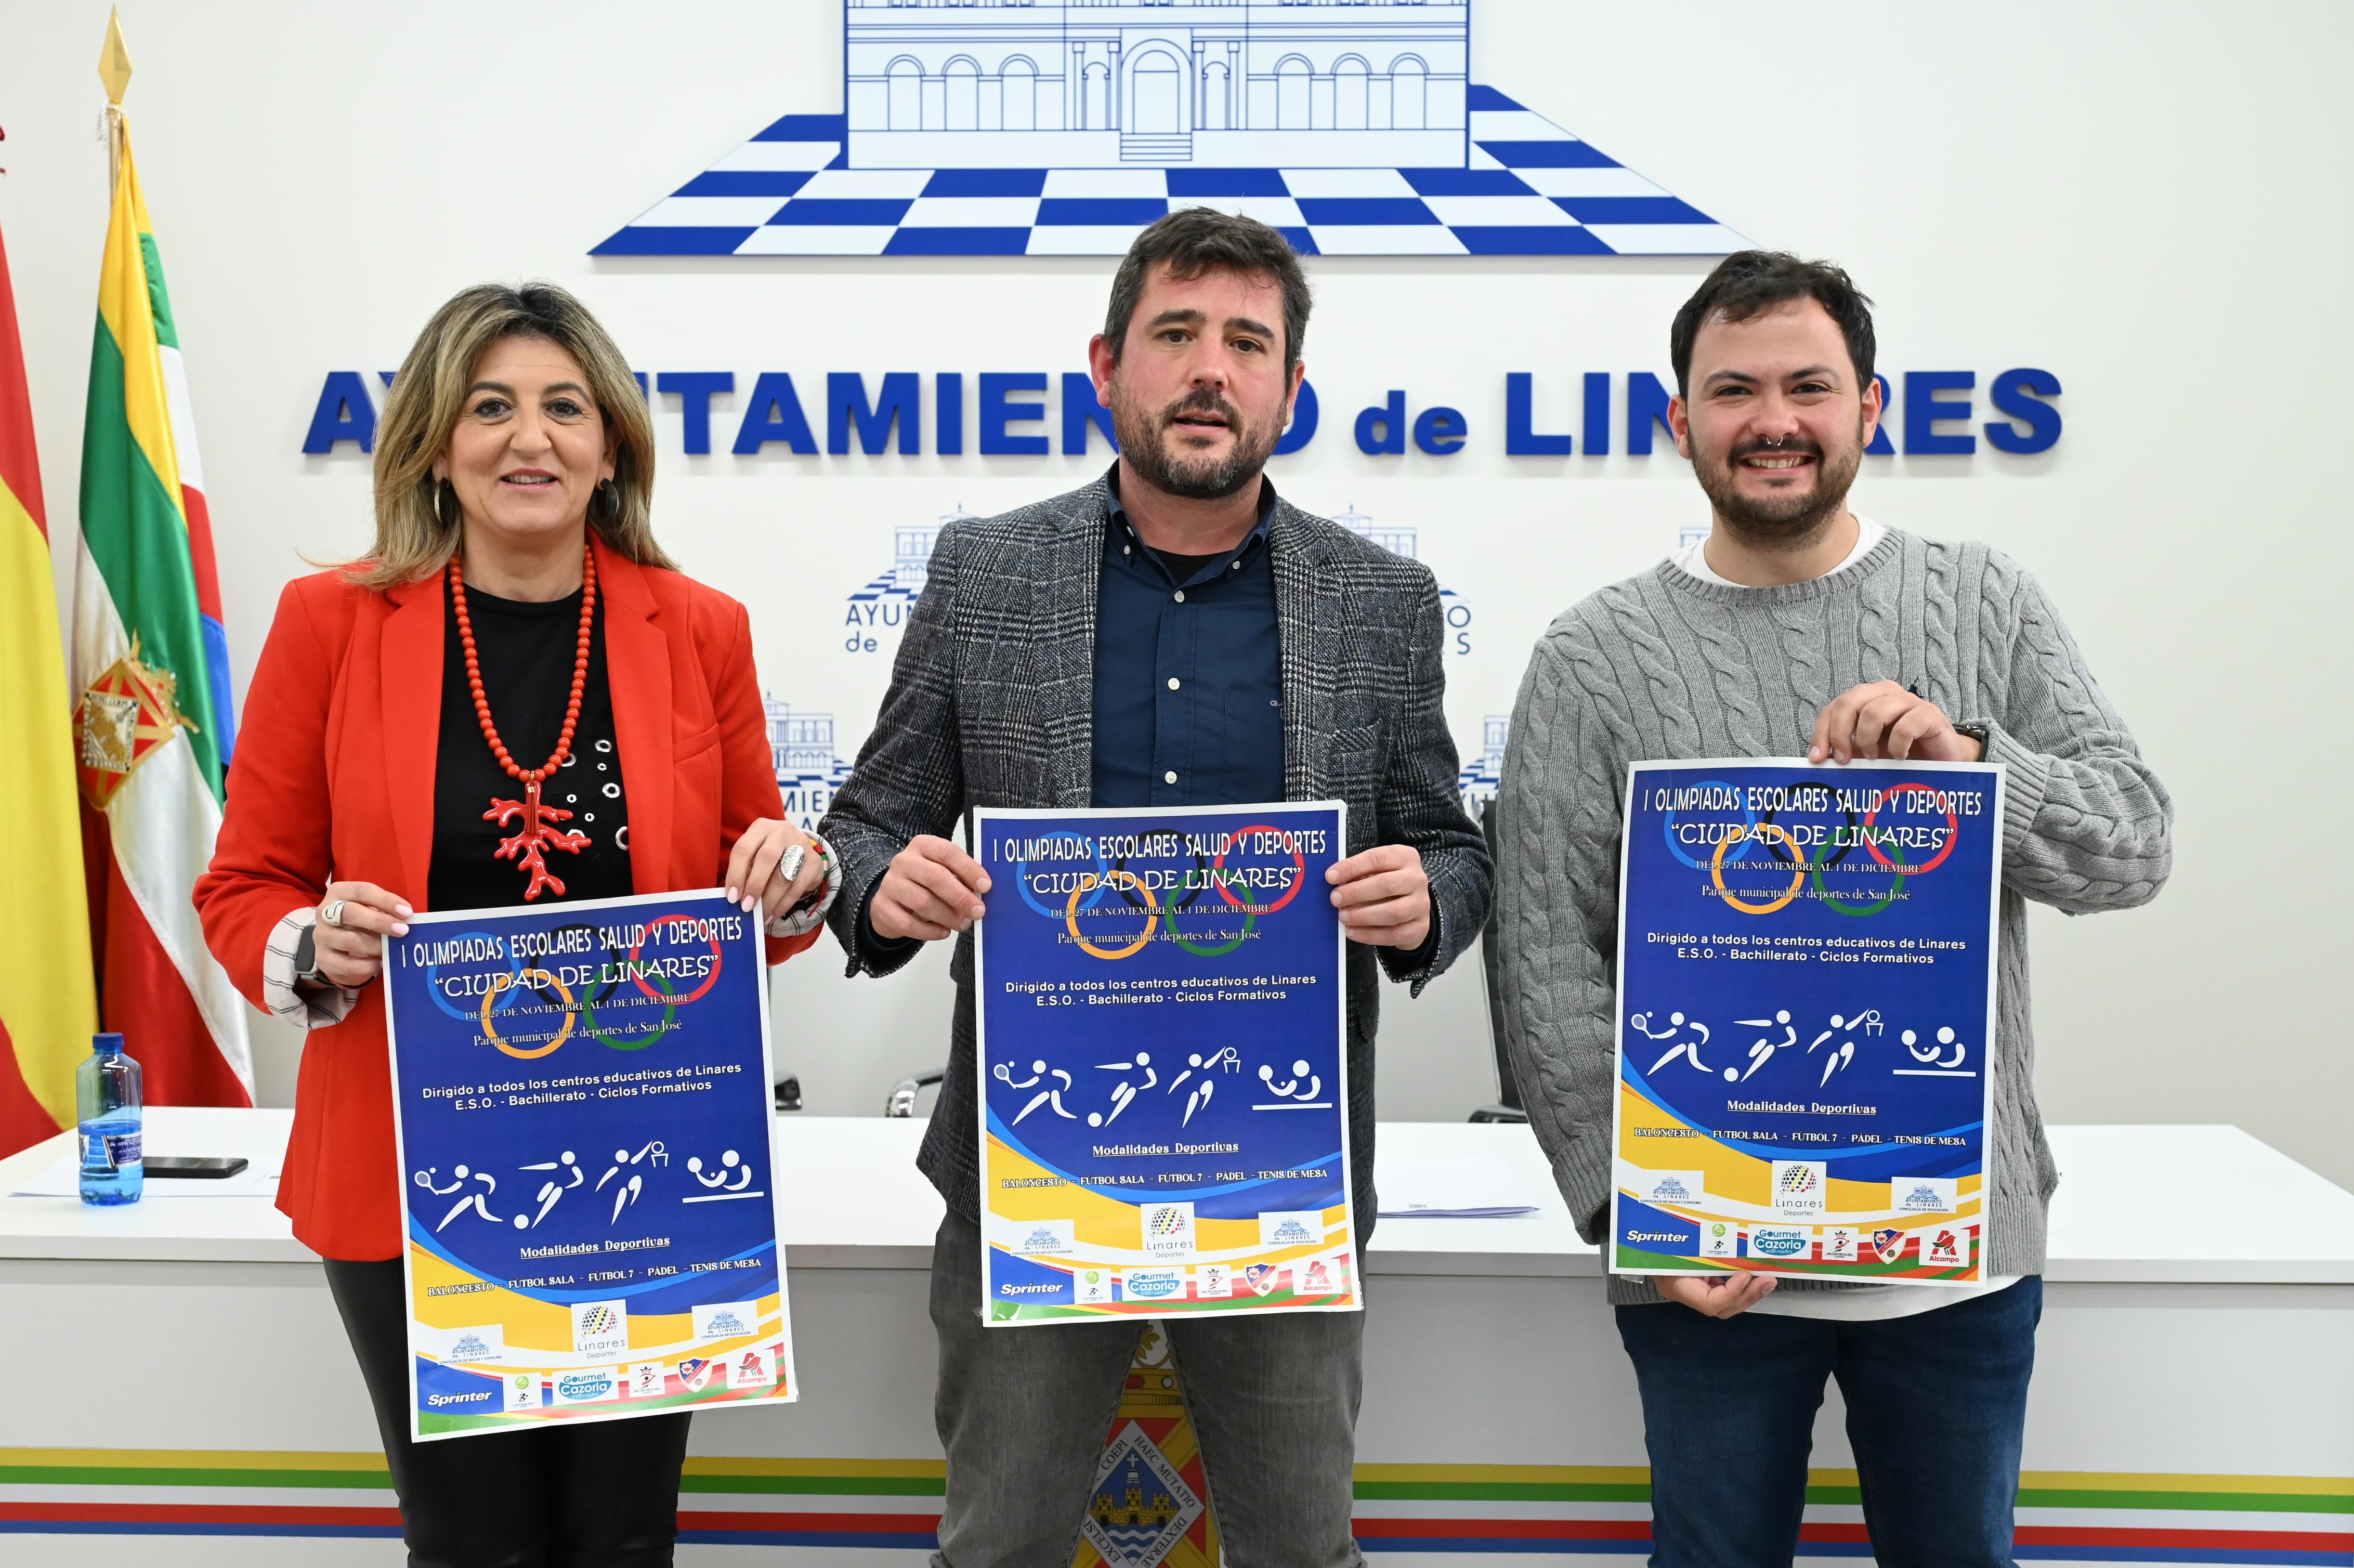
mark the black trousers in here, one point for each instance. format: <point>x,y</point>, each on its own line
<point>602,1494</point>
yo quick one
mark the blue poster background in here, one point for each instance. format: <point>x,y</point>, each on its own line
<point>1793,995</point>
<point>594,1138</point>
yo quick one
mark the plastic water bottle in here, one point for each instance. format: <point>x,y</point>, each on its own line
<point>107,1086</point>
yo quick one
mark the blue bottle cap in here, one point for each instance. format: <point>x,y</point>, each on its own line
<point>106,1042</point>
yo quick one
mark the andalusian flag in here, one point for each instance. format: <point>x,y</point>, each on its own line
<point>151,663</point>
<point>48,1008</point>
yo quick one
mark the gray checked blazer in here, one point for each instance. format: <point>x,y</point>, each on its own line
<point>992,704</point>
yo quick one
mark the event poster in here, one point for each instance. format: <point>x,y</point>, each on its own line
<point>581,1099</point>
<point>1806,971</point>
<point>1164,1087</point>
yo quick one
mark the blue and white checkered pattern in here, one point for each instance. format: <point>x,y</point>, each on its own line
<point>1532,189</point>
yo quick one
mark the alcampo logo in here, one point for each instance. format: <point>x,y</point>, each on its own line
<point>584,1385</point>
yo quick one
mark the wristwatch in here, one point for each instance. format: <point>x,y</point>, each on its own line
<point>1981,733</point>
<point>306,957</point>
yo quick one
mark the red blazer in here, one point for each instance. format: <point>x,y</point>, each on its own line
<point>334,781</point>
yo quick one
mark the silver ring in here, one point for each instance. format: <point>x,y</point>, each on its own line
<point>332,914</point>
<point>789,868</point>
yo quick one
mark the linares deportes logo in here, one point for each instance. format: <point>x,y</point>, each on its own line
<point>1062,127</point>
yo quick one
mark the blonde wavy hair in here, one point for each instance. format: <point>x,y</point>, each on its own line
<point>416,530</point>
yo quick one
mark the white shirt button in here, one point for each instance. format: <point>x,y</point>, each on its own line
<point>1169,778</point>
<point>1235,567</point>
<point>1180,596</point>
<point>1126,550</point>
<point>1172,683</point>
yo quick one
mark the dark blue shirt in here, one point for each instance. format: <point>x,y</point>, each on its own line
<point>1188,672</point>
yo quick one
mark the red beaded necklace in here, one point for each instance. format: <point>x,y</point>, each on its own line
<point>535,836</point>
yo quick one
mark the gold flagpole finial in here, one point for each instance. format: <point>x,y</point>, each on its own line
<point>114,60</point>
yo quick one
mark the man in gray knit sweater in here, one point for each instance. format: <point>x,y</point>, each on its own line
<point>1797,628</point>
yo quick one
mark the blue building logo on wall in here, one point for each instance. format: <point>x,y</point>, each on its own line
<point>1404,541</point>
<point>808,768</point>
<point>1063,127</point>
<point>1483,774</point>
<point>879,610</point>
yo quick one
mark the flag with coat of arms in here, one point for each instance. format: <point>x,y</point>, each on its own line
<point>151,722</point>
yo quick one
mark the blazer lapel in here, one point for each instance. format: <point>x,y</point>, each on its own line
<point>1063,597</point>
<point>1303,616</point>
<point>638,674</point>
<point>409,672</point>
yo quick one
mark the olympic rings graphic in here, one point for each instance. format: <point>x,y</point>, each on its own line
<point>669,1020</point>
<point>1802,861</point>
<point>1071,918</point>
<point>1022,878</point>
<point>520,981</point>
<point>1668,827</point>
<point>466,1014</point>
<point>1798,877</point>
<point>1203,949</point>
<point>1843,907</point>
<point>1953,821</point>
<point>1201,867</point>
<point>698,993</point>
<point>1299,862</point>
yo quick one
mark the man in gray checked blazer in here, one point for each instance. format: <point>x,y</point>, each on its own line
<point>1172,634</point>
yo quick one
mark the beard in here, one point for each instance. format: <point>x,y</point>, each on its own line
<point>1144,447</point>
<point>1786,520</point>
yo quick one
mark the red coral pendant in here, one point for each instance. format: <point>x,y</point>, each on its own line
<point>535,837</point>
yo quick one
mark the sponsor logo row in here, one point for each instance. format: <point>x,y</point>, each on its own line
<point>602,1329</point>
<point>1799,1187</point>
<point>751,1367</point>
<point>1946,1244</point>
<point>1166,1230</point>
<point>1324,1275</point>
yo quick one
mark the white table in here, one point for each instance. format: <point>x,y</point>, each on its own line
<point>2194,1390</point>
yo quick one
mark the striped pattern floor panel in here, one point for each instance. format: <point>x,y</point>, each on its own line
<point>877,1513</point>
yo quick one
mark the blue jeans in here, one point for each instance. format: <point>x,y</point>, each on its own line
<point>1935,1407</point>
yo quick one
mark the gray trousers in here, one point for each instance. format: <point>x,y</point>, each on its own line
<point>1024,1414</point>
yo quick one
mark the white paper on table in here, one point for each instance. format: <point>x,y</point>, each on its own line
<point>258,1180</point>
<point>1460,1189</point>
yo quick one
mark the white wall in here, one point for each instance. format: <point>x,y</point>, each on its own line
<point>2147,199</point>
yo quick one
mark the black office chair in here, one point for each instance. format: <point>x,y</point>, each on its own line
<point>1508,1106</point>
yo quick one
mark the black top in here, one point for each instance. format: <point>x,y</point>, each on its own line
<point>526,652</point>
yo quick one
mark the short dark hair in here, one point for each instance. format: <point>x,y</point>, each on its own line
<point>1198,239</point>
<point>1748,282</point>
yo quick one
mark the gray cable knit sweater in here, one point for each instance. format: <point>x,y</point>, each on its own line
<point>1667,665</point>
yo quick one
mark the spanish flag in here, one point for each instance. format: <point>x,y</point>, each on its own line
<point>152,730</point>
<point>48,1008</point>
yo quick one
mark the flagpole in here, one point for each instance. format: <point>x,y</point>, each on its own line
<point>115,70</point>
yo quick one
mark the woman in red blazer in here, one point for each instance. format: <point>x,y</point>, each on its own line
<point>515,628</point>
